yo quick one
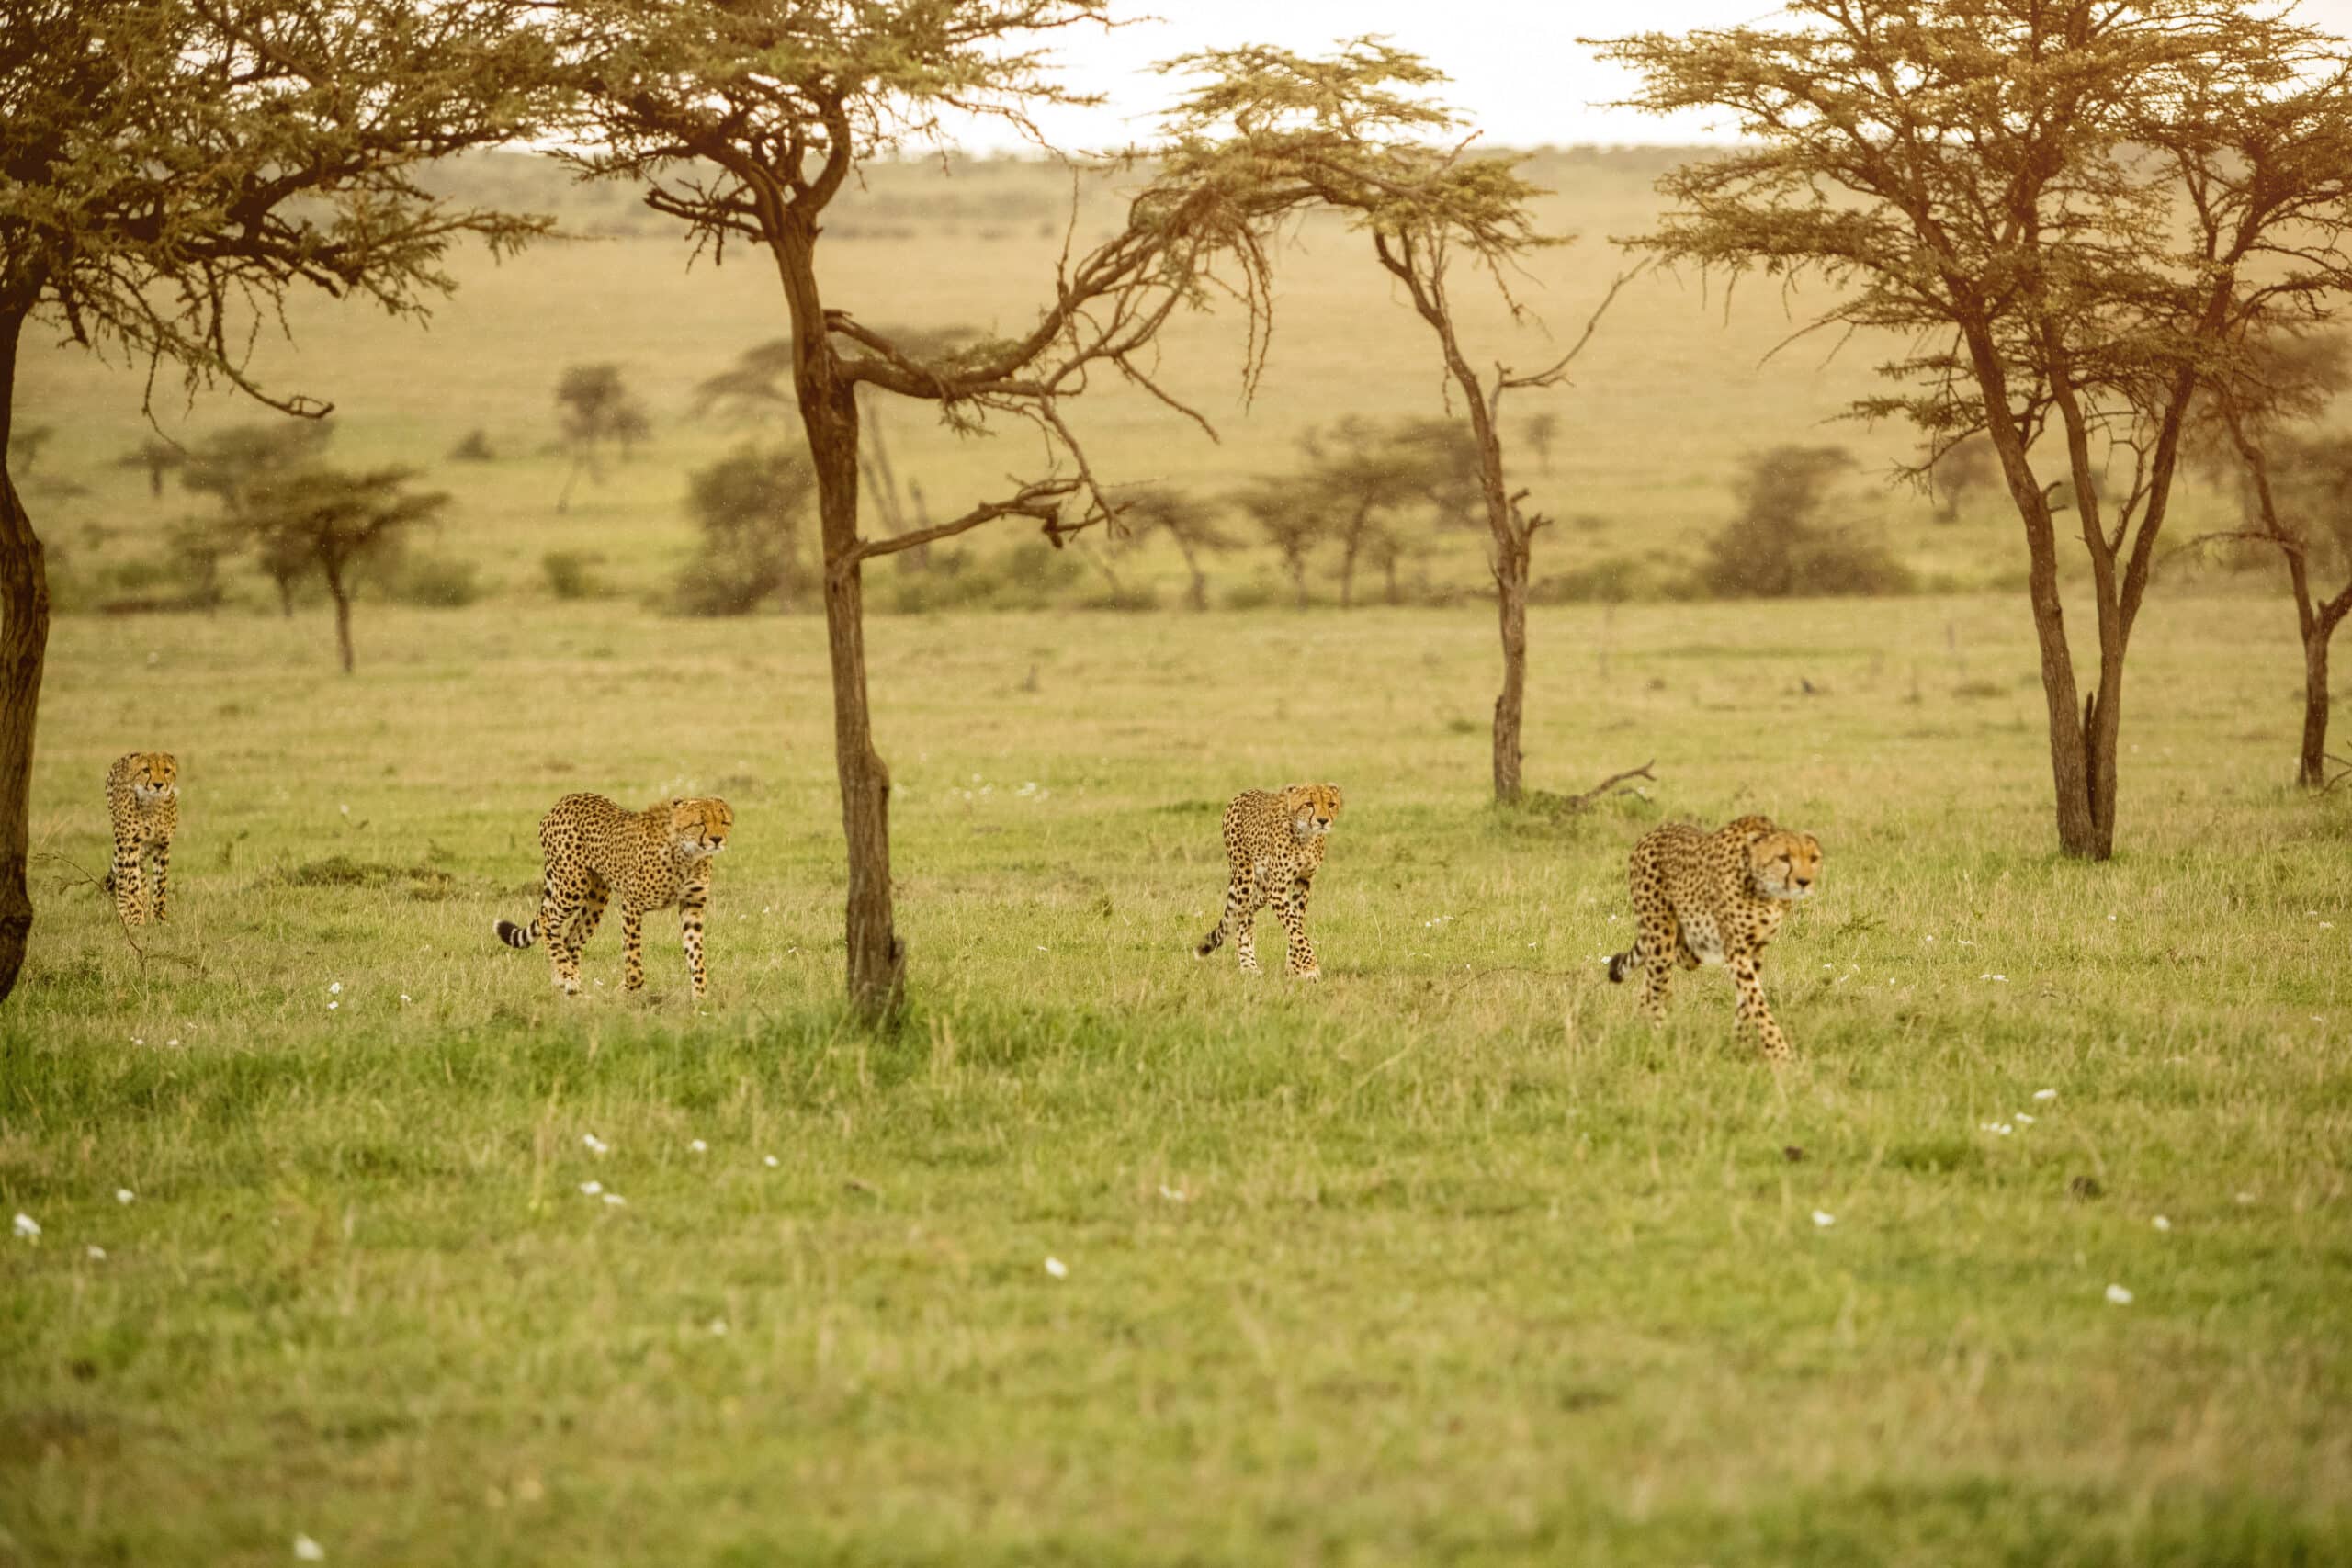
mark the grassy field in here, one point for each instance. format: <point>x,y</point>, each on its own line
<point>1680,383</point>
<point>1448,1258</point>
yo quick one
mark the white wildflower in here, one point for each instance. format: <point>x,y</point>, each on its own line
<point>771,1162</point>
<point>98,1255</point>
<point>2119,1295</point>
<point>698,1146</point>
<point>2021,1116</point>
<point>718,1326</point>
<point>2160,1223</point>
<point>305,1548</point>
<point>594,1144</point>
<point>2045,1094</point>
<point>1824,1220</point>
<point>124,1194</point>
<point>590,1188</point>
<point>615,1201</point>
<point>27,1226</point>
<point>336,989</point>
<point>1058,1268</point>
<point>1174,1194</point>
<point>334,1005</point>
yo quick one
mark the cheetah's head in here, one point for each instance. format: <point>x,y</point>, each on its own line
<point>1311,807</point>
<point>155,776</point>
<point>698,827</point>
<point>1782,865</point>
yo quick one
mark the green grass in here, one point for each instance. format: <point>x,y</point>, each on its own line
<point>1468,1264</point>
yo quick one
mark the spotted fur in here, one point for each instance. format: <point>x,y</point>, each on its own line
<point>1718,897</point>
<point>143,803</point>
<point>597,851</point>
<point>1274,841</point>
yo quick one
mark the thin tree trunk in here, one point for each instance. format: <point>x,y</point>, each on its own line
<point>2070,764</point>
<point>1198,597</point>
<point>1511,537</point>
<point>2312,772</point>
<point>829,413</point>
<point>342,619</point>
<point>1511,561</point>
<point>24,644</point>
<point>2315,622</point>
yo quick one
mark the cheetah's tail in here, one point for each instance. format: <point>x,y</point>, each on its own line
<point>1623,963</point>
<point>513,935</point>
<point>1211,942</point>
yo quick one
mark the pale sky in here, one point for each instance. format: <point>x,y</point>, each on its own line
<point>1518,72</point>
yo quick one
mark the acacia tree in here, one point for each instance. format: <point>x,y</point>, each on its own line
<point>170,170</point>
<point>2299,492</point>
<point>1355,135</point>
<point>336,521</point>
<point>1366,481</point>
<point>758,387</point>
<point>1296,515</point>
<point>2070,203</point>
<point>1187,522</point>
<point>595,408</point>
<point>234,466</point>
<point>744,119</point>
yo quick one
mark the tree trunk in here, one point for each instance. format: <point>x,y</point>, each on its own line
<point>829,414</point>
<point>1512,563</point>
<point>285,595</point>
<point>24,643</point>
<point>342,619</point>
<point>1198,597</point>
<point>2313,772</point>
<point>2070,758</point>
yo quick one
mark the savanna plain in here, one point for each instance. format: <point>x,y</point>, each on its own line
<point>350,1228</point>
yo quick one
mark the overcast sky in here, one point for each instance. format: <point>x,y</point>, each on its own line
<point>1516,68</point>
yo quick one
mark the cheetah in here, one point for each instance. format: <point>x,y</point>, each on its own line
<point>144,801</point>
<point>1701,898</point>
<point>596,850</point>
<point>1274,838</point>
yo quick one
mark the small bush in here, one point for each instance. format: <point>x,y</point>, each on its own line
<point>572,574</point>
<point>1033,575</point>
<point>750,506</point>
<point>1611,581</point>
<point>1127,599</point>
<point>474,449</point>
<point>1256,593</point>
<point>435,582</point>
<point>1775,550</point>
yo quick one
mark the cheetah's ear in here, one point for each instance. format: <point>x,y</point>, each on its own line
<point>1338,800</point>
<point>1812,844</point>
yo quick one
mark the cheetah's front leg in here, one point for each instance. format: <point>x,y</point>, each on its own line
<point>690,903</point>
<point>130,903</point>
<point>1753,1011</point>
